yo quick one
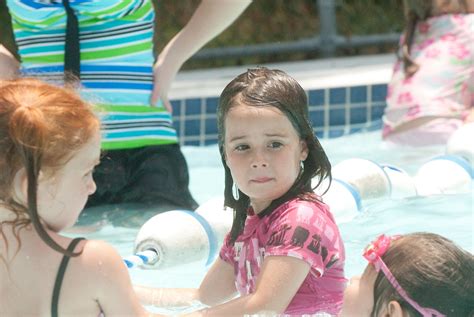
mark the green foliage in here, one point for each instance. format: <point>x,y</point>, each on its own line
<point>267,21</point>
<point>369,16</point>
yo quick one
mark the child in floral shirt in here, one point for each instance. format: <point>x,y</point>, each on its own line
<point>431,93</point>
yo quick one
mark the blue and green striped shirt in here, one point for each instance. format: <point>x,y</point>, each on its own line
<point>116,52</point>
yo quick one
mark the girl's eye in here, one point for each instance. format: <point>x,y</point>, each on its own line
<point>276,145</point>
<point>241,147</point>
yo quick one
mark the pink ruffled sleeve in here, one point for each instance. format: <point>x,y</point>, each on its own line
<point>227,251</point>
<point>305,230</point>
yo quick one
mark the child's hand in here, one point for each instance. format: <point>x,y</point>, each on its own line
<point>162,79</point>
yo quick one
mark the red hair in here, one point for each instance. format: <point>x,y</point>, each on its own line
<point>41,126</point>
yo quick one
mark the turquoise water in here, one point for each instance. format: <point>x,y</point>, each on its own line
<point>449,215</point>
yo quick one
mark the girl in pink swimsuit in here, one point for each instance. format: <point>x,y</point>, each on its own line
<point>284,253</point>
<point>431,93</point>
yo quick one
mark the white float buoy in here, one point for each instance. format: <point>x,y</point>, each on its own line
<point>461,142</point>
<point>177,236</point>
<point>219,218</point>
<point>368,177</point>
<point>182,236</point>
<point>402,183</point>
<point>342,198</point>
<point>446,174</point>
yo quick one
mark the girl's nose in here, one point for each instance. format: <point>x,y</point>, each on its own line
<point>259,160</point>
<point>255,165</point>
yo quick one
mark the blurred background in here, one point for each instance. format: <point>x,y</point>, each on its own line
<point>281,30</point>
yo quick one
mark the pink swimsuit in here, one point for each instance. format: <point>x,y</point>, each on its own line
<point>443,86</point>
<point>301,229</point>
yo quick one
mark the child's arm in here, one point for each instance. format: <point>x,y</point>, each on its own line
<point>166,297</point>
<point>9,66</point>
<point>210,19</point>
<point>113,287</point>
<point>278,281</point>
<point>218,286</point>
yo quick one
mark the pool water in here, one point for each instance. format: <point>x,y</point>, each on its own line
<point>449,215</point>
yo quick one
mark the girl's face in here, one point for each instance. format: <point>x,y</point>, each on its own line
<point>63,195</point>
<point>263,152</point>
<point>359,294</point>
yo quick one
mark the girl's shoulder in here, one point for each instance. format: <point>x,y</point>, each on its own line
<point>310,211</point>
<point>97,271</point>
<point>109,284</point>
<point>98,261</point>
<point>98,255</point>
<point>309,204</point>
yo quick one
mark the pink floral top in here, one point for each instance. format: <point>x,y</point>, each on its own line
<point>443,86</point>
<point>301,229</point>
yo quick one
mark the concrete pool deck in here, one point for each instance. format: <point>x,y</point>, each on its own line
<point>311,74</point>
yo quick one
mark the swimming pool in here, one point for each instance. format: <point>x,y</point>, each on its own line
<point>340,104</point>
<point>448,215</point>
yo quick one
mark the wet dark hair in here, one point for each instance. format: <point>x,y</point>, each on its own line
<point>417,11</point>
<point>434,272</point>
<point>263,87</point>
<point>41,127</point>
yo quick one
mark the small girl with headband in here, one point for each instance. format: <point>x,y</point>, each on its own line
<point>418,274</point>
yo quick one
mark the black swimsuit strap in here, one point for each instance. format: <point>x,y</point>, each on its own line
<point>72,53</point>
<point>60,276</point>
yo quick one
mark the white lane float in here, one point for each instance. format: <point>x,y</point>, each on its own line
<point>360,182</point>
<point>355,183</point>
<point>402,184</point>
<point>179,236</point>
<point>343,198</point>
<point>445,174</point>
<point>183,236</point>
<point>461,143</point>
<point>367,176</point>
<point>451,173</point>
<point>219,219</point>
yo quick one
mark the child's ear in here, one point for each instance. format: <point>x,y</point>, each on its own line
<point>394,309</point>
<point>304,150</point>
<point>20,187</point>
